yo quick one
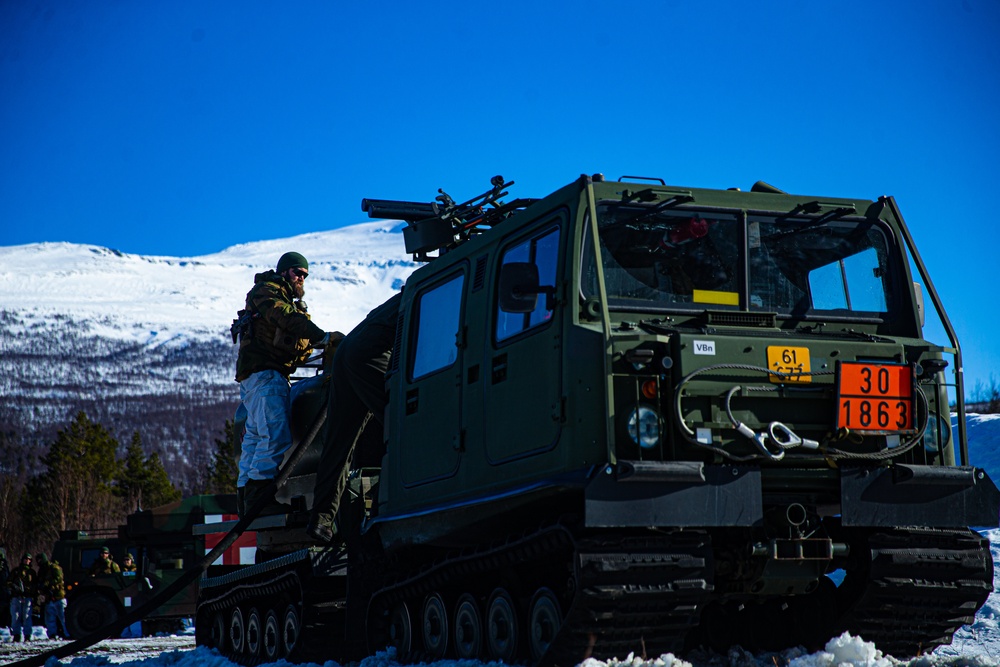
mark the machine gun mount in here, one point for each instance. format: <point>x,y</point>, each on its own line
<point>442,225</point>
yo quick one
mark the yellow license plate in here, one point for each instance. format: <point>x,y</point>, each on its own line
<point>792,361</point>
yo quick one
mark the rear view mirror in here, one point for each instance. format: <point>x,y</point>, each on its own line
<point>519,287</point>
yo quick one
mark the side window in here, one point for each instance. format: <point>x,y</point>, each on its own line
<point>543,251</point>
<point>87,557</point>
<point>438,311</point>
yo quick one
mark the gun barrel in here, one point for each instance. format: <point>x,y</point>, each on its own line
<point>390,209</point>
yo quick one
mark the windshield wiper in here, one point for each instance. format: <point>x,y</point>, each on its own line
<point>844,333</point>
<point>676,200</point>
<point>829,216</point>
<point>656,326</point>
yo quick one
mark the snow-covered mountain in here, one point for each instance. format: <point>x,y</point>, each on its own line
<point>141,343</point>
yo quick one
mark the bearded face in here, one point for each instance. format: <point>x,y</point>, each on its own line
<point>297,279</point>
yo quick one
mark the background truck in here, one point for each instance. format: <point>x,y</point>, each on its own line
<point>162,545</point>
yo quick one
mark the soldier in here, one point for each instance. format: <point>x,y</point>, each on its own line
<point>22,591</point>
<point>105,564</point>
<point>52,594</point>
<point>128,564</point>
<point>279,337</point>
<point>4,593</point>
<point>357,394</point>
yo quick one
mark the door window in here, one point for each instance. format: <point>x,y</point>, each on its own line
<point>438,311</point>
<point>543,251</point>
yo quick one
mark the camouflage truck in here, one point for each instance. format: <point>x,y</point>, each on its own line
<point>635,417</point>
<point>162,545</point>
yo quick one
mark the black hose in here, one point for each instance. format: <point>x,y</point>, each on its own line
<point>116,627</point>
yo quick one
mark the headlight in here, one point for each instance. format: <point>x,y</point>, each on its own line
<point>644,427</point>
<point>936,425</point>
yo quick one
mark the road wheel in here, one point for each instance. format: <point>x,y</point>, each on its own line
<point>544,621</point>
<point>468,628</point>
<point>255,633</point>
<point>272,636</point>
<point>89,613</point>
<point>237,631</point>
<point>291,626</point>
<point>501,627</point>
<point>212,631</point>
<point>435,626</point>
<point>401,630</point>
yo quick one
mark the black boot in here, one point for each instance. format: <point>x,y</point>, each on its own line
<point>256,489</point>
<point>321,528</point>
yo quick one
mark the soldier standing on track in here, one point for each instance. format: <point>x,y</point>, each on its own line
<point>52,593</point>
<point>278,337</point>
<point>22,591</point>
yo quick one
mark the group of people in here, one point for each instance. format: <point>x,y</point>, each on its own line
<point>26,586</point>
<point>279,337</point>
<point>105,564</point>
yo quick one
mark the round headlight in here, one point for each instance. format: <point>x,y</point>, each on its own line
<point>936,425</point>
<point>644,427</point>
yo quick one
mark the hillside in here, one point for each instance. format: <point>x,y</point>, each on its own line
<point>142,343</point>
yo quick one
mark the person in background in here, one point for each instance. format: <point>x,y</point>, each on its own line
<point>22,587</point>
<point>4,593</point>
<point>277,337</point>
<point>104,564</point>
<point>128,564</point>
<point>52,595</point>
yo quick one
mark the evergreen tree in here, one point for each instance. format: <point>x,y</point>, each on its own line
<point>159,489</point>
<point>223,469</point>
<point>142,481</point>
<point>75,488</point>
<point>134,476</point>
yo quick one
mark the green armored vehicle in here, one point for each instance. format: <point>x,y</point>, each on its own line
<point>162,546</point>
<point>638,417</point>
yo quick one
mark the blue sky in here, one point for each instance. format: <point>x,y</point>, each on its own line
<point>181,128</point>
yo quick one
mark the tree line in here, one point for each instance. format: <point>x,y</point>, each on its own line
<point>86,480</point>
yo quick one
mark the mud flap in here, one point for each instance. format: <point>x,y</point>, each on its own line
<point>915,495</point>
<point>718,496</point>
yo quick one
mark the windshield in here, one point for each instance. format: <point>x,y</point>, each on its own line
<point>689,259</point>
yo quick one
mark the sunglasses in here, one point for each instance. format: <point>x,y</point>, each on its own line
<point>299,273</point>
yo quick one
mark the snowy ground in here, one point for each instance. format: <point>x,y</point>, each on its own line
<point>976,645</point>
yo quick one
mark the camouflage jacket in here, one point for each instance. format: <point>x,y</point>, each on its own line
<point>281,334</point>
<point>21,583</point>
<point>102,566</point>
<point>51,583</point>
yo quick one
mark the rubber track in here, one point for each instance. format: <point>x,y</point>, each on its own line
<point>618,611</point>
<point>923,585</point>
<point>280,585</point>
<point>615,610</point>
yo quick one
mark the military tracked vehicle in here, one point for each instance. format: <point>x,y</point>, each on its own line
<point>634,417</point>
